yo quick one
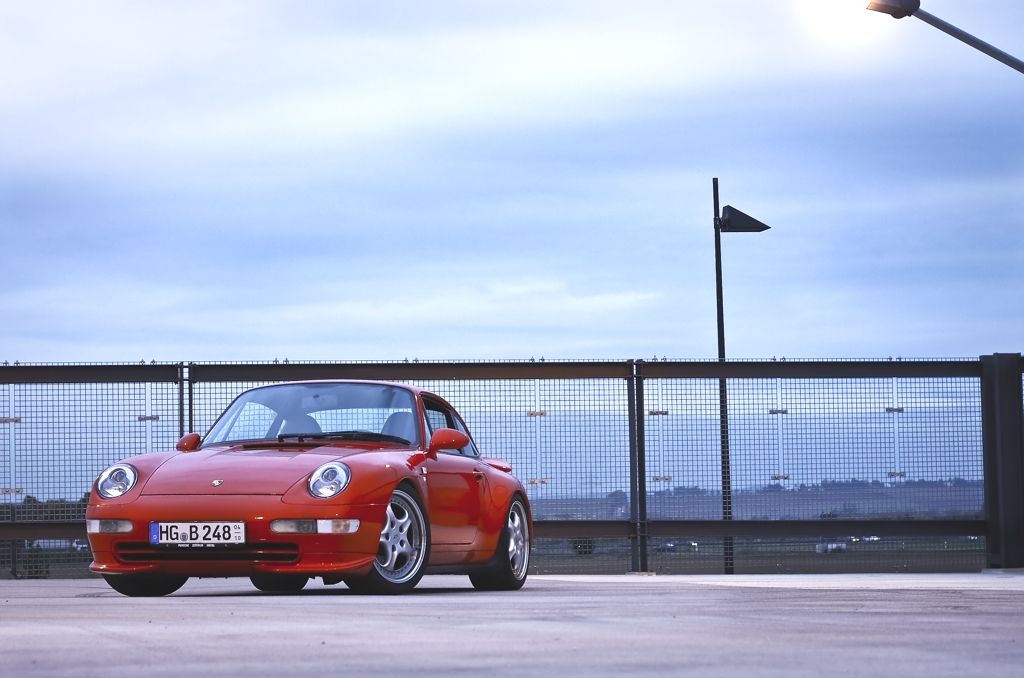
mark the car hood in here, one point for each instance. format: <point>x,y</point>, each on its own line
<point>239,469</point>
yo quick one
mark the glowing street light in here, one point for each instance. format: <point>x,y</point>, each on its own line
<point>898,9</point>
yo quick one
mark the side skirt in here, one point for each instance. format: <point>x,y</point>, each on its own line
<point>470,568</point>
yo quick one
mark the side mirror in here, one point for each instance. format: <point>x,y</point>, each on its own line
<point>446,439</point>
<point>188,442</point>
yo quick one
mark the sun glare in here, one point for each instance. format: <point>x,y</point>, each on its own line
<point>842,24</point>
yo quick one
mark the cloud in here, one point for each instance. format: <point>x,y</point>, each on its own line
<point>228,180</point>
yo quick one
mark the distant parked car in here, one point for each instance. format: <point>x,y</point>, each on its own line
<point>673,547</point>
<point>369,483</point>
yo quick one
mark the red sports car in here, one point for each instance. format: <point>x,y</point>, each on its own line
<point>369,483</point>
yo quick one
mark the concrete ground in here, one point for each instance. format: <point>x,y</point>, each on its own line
<point>763,625</point>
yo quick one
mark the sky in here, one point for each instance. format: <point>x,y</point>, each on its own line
<point>506,180</point>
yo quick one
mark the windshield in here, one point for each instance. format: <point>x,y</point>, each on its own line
<point>320,410</point>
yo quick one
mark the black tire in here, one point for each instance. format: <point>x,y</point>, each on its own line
<point>145,585</point>
<point>512,555</point>
<point>279,583</point>
<point>401,558</point>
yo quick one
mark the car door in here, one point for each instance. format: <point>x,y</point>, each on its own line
<point>453,486</point>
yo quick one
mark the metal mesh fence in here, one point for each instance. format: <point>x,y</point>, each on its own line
<point>581,555</point>
<point>800,449</point>
<point>10,492</point>
<point>45,559</point>
<point>567,439</point>
<point>208,399</point>
<point>816,448</point>
<point>60,436</point>
<point>683,449</point>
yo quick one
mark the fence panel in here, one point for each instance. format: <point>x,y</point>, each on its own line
<point>567,440</point>
<point>807,441</point>
<point>682,442</point>
<point>63,434</point>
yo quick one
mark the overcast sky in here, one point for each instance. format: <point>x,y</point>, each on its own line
<point>441,180</point>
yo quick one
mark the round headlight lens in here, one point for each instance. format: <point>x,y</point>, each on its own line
<point>329,480</point>
<point>116,480</point>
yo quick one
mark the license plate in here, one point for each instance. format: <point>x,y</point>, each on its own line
<point>197,534</point>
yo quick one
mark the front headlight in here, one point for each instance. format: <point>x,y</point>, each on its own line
<point>329,480</point>
<point>116,481</point>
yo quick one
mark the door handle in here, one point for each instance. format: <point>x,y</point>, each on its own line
<point>478,474</point>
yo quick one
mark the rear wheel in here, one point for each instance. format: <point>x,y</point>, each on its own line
<point>513,554</point>
<point>279,583</point>
<point>403,549</point>
<point>145,585</point>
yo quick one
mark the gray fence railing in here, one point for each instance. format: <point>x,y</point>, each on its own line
<point>629,465</point>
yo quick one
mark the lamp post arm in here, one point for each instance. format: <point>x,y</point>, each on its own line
<point>980,45</point>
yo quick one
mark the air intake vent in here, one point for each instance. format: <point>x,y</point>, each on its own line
<point>141,552</point>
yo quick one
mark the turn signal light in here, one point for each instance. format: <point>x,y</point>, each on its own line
<point>337,526</point>
<point>314,526</point>
<point>108,526</point>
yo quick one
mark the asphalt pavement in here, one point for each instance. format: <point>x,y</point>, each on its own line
<point>762,625</point>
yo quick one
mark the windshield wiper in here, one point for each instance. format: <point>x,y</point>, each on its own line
<point>345,435</point>
<point>366,435</point>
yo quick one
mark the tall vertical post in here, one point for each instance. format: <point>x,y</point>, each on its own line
<point>191,402</point>
<point>723,397</point>
<point>634,505</point>
<point>641,468</point>
<point>538,458</point>
<point>1002,421</point>
<point>181,400</point>
<point>149,414</point>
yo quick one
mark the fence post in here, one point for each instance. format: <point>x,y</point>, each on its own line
<point>191,402</point>
<point>641,468</point>
<point>723,422</point>
<point>181,400</point>
<point>634,506</point>
<point>1002,410</point>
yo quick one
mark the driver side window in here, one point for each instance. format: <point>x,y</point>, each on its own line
<point>469,450</point>
<point>438,416</point>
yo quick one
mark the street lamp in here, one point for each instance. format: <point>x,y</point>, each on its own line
<point>898,9</point>
<point>731,220</point>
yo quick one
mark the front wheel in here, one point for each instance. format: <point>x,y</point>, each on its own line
<point>145,585</point>
<point>513,555</point>
<point>402,552</point>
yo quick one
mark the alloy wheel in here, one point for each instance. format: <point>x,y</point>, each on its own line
<point>518,540</point>
<point>402,540</point>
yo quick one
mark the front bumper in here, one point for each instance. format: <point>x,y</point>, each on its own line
<point>264,551</point>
